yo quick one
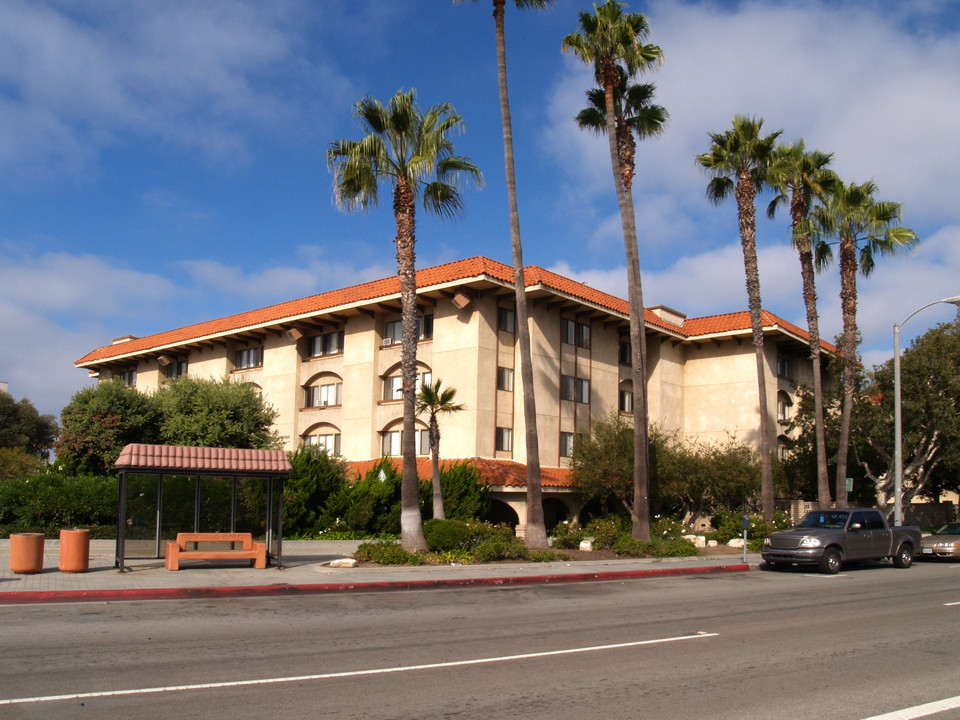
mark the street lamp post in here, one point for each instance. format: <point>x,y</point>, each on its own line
<point>897,428</point>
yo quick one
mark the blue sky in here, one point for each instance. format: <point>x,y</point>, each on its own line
<point>162,163</point>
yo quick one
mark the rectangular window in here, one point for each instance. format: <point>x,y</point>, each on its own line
<point>505,439</point>
<point>566,444</point>
<point>626,401</point>
<point>391,443</point>
<point>393,388</point>
<point>505,379</point>
<point>423,442</point>
<point>393,330</point>
<point>128,377</point>
<point>583,390</point>
<point>567,387</point>
<point>332,343</point>
<point>424,379</point>
<point>175,369</point>
<point>248,358</point>
<point>506,320</point>
<point>783,366</point>
<point>329,442</point>
<point>625,354</point>
<point>574,333</point>
<point>331,394</point>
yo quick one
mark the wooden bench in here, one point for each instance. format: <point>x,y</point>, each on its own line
<point>177,550</point>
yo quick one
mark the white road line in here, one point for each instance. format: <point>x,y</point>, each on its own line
<point>348,674</point>
<point>919,711</point>
<point>951,603</point>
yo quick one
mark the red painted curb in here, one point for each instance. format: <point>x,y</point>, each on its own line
<point>16,598</point>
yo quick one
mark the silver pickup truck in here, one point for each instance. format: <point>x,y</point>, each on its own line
<point>827,538</point>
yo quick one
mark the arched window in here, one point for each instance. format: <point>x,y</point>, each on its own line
<point>323,390</point>
<point>324,436</point>
<point>392,439</point>
<point>393,381</point>
<point>784,404</point>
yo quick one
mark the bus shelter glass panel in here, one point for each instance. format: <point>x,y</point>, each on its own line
<point>216,498</point>
<point>141,516</point>
<point>252,507</point>
<point>179,497</point>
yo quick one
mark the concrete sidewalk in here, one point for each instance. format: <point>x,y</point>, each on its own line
<point>306,570</point>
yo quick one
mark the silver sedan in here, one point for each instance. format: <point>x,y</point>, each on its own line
<point>944,542</point>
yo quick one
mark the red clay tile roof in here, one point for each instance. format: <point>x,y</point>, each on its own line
<point>497,473</point>
<point>138,456</point>
<point>449,273</point>
<point>740,321</point>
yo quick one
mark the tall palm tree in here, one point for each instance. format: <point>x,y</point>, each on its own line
<point>738,161</point>
<point>412,151</point>
<point>436,400</point>
<point>863,227</point>
<point>535,534</point>
<point>607,39</point>
<point>635,114</point>
<point>799,177</point>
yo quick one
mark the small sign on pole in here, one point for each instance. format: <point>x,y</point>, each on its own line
<point>849,484</point>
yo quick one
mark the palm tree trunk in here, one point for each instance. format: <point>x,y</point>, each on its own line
<point>411,522</point>
<point>640,512</point>
<point>746,194</point>
<point>813,325</point>
<point>848,306</point>
<point>535,535</point>
<point>438,513</point>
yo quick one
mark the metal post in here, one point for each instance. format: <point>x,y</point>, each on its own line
<point>897,421</point>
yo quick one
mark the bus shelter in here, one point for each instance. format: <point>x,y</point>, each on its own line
<point>166,489</point>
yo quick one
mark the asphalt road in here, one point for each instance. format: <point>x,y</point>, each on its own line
<point>747,645</point>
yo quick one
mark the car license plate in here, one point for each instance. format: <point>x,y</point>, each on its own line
<point>928,551</point>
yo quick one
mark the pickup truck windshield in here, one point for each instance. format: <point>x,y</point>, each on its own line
<point>824,519</point>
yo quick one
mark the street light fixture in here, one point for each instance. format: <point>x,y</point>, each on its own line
<point>897,429</point>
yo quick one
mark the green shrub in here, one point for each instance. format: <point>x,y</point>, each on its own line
<point>605,531</point>
<point>50,501</point>
<point>465,496</point>
<point>666,527</point>
<point>729,525</point>
<point>315,476</point>
<point>675,548</point>
<point>448,534</point>
<point>500,548</point>
<point>460,556</point>
<point>626,546</point>
<point>568,535</point>
<point>387,553</point>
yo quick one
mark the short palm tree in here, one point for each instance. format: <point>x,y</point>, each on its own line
<point>863,227</point>
<point>738,161</point>
<point>436,400</point>
<point>607,39</point>
<point>535,534</point>
<point>799,178</point>
<point>412,151</point>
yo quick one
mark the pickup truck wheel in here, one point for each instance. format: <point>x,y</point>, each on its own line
<point>830,562</point>
<point>904,556</point>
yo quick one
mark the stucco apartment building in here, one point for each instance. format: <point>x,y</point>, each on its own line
<point>330,365</point>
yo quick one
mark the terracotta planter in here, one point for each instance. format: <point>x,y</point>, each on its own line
<point>26,553</point>
<point>74,551</point>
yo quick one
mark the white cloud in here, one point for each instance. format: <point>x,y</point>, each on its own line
<point>199,75</point>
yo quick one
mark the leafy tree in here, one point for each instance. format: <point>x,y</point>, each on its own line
<point>15,463</point>
<point>23,428</point>
<point>436,400</point>
<point>738,162</point>
<point>314,477</point>
<point>863,227</point>
<point>602,462</point>
<point>215,413</point>
<point>612,41</point>
<point>411,151</point>
<point>535,535</point>
<point>930,392</point>
<point>99,421</point>
<point>800,177</point>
